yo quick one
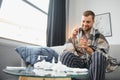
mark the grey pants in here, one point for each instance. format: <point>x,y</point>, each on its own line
<point>96,64</point>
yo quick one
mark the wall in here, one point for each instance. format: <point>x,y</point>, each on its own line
<point>76,8</point>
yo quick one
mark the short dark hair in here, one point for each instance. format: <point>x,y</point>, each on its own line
<point>89,12</point>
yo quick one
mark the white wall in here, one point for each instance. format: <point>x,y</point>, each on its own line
<point>76,8</point>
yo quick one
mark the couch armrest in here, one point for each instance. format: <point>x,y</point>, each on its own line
<point>58,49</point>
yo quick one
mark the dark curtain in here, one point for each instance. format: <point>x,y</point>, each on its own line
<point>56,25</point>
<point>0,3</point>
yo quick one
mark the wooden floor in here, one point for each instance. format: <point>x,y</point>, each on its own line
<point>32,78</point>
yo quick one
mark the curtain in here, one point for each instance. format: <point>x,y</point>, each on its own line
<point>56,25</point>
<point>0,3</point>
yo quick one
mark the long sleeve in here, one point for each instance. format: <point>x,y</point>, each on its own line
<point>100,43</point>
<point>69,40</point>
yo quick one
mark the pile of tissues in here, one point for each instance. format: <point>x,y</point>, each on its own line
<point>54,69</point>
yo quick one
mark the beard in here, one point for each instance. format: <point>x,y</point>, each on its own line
<point>87,29</point>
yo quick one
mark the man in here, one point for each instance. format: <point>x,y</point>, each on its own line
<point>90,46</point>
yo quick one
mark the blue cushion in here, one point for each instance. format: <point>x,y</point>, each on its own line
<point>30,53</point>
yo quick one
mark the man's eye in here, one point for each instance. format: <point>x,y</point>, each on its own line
<point>88,21</point>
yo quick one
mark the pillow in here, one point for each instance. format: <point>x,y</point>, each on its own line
<point>30,54</point>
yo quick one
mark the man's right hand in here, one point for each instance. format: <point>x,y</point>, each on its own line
<point>74,32</point>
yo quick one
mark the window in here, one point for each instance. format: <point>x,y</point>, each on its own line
<point>24,20</point>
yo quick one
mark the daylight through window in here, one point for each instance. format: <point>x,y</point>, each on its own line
<point>21,21</point>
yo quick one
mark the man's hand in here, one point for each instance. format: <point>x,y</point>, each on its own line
<point>74,32</point>
<point>88,49</point>
<point>83,43</point>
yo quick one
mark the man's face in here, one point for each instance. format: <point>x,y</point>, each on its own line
<point>87,23</point>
